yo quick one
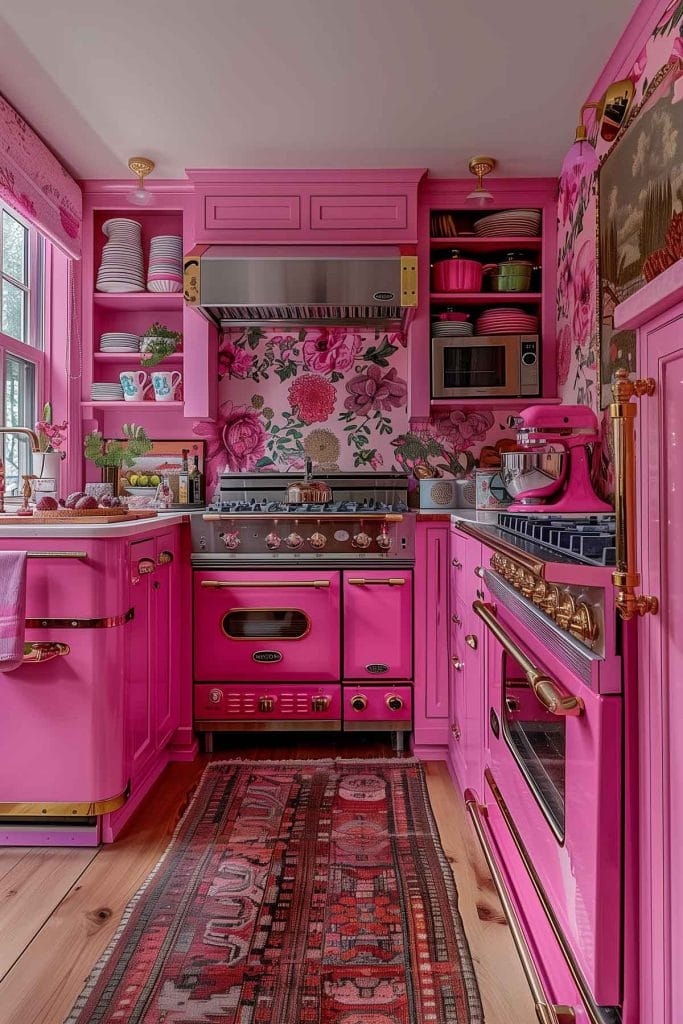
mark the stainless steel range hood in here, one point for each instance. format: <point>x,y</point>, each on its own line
<point>269,285</point>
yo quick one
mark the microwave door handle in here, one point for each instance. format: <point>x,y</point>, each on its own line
<point>545,689</point>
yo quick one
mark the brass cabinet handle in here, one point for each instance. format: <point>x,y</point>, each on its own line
<point>391,582</point>
<point>456,564</point>
<point>82,556</point>
<point>471,641</point>
<point>456,619</point>
<point>145,566</point>
<point>626,577</point>
<point>44,651</point>
<point>457,664</point>
<point>547,1012</point>
<point>222,584</point>
<point>165,557</point>
<point>546,690</point>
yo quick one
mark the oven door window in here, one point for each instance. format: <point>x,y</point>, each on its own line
<point>266,624</point>
<point>482,366</point>
<point>537,740</point>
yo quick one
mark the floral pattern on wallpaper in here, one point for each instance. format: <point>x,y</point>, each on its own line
<point>577,316</point>
<point>339,397</point>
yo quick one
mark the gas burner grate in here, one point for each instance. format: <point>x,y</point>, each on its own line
<point>590,538</point>
<point>331,507</point>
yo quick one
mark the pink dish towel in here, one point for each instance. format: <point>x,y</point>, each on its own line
<point>12,609</point>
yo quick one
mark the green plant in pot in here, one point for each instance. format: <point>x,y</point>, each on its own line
<point>112,455</point>
<point>158,341</point>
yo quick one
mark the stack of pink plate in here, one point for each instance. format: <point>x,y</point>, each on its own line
<point>509,223</point>
<point>165,270</point>
<point>506,320</point>
<point>121,269</point>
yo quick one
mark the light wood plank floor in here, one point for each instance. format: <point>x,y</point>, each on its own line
<point>59,908</point>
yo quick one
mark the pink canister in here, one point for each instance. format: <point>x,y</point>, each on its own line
<point>457,275</point>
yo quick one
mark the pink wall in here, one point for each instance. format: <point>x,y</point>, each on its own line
<point>650,41</point>
<point>337,395</point>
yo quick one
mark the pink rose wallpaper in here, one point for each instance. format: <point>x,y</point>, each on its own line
<point>339,397</point>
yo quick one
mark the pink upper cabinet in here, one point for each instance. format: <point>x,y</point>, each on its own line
<point>306,206</point>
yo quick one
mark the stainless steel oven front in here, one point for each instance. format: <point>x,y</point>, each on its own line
<point>502,366</point>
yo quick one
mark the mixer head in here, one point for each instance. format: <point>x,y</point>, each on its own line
<point>548,422</point>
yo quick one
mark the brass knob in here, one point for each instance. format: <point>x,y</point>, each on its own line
<point>471,641</point>
<point>266,704</point>
<point>497,562</point>
<point>539,592</point>
<point>394,702</point>
<point>527,583</point>
<point>455,729</point>
<point>566,609</point>
<point>479,571</point>
<point>359,702</point>
<point>512,704</point>
<point>215,696</point>
<point>583,625</point>
<point>165,557</point>
<point>549,603</point>
<point>456,619</point>
<point>456,564</point>
<point>457,664</point>
<point>320,703</point>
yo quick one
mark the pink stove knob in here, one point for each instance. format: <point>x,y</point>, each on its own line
<point>362,540</point>
<point>215,696</point>
<point>294,540</point>
<point>231,539</point>
<point>383,540</point>
<point>317,540</point>
<point>273,541</point>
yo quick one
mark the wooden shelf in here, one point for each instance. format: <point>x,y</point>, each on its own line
<point>484,298</point>
<point>476,243</point>
<point>127,357</point>
<point>138,300</point>
<point>491,403</point>
<point>131,405</point>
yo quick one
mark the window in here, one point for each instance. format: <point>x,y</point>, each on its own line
<point>21,338</point>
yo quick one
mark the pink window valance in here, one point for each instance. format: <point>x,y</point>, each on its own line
<point>33,181</point>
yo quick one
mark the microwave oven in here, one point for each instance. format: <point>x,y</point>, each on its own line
<point>491,366</point>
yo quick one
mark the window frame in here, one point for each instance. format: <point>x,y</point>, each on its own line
<point>34,350</point>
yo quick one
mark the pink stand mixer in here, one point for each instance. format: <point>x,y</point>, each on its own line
<point>552,472</point>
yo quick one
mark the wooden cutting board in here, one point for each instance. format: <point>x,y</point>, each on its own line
<point>67,520</point>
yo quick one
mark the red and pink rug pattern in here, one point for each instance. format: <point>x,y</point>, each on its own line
<point>294,892</point>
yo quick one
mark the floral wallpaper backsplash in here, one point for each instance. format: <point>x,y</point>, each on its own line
<point>336,395</point>
<point>577,319</point>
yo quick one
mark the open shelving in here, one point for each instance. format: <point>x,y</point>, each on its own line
<point>474,243</point>
<point>135,301</point>
<point>484,298</point>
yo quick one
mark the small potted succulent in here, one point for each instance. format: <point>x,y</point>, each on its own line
<point>157,342</point>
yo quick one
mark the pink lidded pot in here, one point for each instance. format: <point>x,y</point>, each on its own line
<point>457,275</point>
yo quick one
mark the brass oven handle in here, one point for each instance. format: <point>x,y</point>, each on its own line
<point>546,1012</point>
<point>626,577</point>
<point>44,651</point>
<point>82,556</point>
<point>546,690</point>
<point>391,582</point>
<point>165,557</point>
<point>221,584</point>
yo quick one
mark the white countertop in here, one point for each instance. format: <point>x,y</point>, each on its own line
<point>93,531</point>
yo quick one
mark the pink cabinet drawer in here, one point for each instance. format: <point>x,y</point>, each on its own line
<point>363,213</point>
<point>267,703</point>
<point>250,213</point>
<point>253,626</point>
<point>366,705</point>
<point>378,624</point>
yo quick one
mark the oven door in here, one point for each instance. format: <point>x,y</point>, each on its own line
<point>266,626</point>
<point>555,758</point>
<point>472,367</point>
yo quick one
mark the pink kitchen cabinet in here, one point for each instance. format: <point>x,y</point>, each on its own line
<point>431,639</point>
<point>378,610</point>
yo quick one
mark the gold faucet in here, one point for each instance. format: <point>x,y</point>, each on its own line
<point>35,447</point>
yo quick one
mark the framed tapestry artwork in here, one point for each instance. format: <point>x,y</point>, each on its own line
<point>640,232</point>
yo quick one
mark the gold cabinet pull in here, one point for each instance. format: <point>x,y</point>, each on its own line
<point>222,584</point>
<point>546,690</point>
<point>44,651</point>
<point>626,577</point>
<point>165,557</point>
<point>471,641</point>
<point>391,582</point>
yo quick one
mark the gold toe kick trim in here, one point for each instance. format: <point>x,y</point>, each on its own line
<point>54,809</point>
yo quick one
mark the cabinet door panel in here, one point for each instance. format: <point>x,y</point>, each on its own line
<point>373,213</point>
<point>140,691</point>
<point>378,624</point>
<point>164,640</point>
<point>251,213</point>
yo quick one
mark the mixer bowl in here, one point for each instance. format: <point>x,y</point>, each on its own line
<point>532,476</point>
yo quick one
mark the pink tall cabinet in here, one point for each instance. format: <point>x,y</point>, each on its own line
<point>656,312</point>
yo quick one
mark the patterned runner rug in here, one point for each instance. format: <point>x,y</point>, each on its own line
<point>294,892</point>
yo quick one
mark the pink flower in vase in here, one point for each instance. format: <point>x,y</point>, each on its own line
<point>583,284</point>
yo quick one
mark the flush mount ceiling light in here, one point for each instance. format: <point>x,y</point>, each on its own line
<point>142,166</point>
<point>481,166</point>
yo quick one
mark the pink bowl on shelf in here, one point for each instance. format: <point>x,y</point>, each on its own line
<point>459,317</point>
<point>456,275</point>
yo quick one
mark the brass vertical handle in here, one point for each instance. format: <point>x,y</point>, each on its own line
<point>626,577</point>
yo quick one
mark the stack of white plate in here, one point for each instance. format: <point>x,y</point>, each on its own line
<point>506,320</point>
<point>165,270</point>
<point>106,393</point>
<point>509,223</point>
<point>451,329</point>
<point>119,341</point>
<point>121,269</point>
